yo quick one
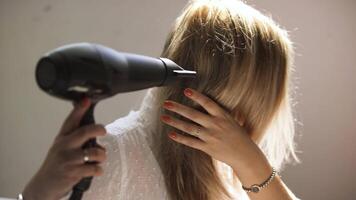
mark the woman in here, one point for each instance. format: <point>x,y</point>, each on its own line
<point>229,130</point>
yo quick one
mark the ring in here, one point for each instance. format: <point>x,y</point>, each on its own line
<point>86,156</point>
<point>196,132</point>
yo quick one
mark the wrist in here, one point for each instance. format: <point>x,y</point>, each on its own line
<point>29,193</point>
<point>33,190</point>
<point>253,172</point>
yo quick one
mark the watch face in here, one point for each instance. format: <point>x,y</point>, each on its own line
<point>255,188</point>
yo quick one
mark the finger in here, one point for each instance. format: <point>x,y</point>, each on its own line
<point>84,133</point>
<point>185,126</point>
<point>87,170</point>
<point>94,154</point>
<point>188,141</point>
<point>97,145</point>
<point>239,118</point>
<point>207,103</point>
<point>73,119</point>
<point>188,112</point>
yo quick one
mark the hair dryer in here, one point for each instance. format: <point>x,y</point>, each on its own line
<point>83,69</point>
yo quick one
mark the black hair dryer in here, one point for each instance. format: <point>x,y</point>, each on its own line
<point>80,70</point>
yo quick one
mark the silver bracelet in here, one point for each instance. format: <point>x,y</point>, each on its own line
<point>257,187</point>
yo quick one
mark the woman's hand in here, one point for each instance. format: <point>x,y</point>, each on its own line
<point>221,135</point>
<point>224,138</point>
<point>64,165</point>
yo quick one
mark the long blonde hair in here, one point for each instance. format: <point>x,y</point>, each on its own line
<point>243,61</point>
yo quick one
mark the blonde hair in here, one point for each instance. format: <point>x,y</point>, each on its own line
<point>243,61</point>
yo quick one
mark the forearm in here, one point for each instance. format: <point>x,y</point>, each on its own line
<point>276,189</point>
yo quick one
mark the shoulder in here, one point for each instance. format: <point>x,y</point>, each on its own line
<point>123,132</point>
<point>123,124</point>
<point>126,141</point>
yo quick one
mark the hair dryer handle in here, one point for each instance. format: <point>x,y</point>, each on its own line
<point>84,184</point>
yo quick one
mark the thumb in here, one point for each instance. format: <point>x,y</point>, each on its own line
<point>73,119</point>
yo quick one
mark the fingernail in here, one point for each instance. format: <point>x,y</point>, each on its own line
<point>165,118</point>
<point>188,92</point>
<point>85,102</point>
<point>168,104</point>
<point>173,135</point>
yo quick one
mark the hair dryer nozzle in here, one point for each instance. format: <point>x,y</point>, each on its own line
<point>185,73</point>
<point>175,72</point>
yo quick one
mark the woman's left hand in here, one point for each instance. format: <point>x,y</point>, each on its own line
<point>220,135</point>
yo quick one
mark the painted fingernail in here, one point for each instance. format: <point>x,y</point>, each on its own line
<point>85,102</point>
<point>165,118</point>
<point>168,104</point>
<point>173,135</point>
<point>188,92</point>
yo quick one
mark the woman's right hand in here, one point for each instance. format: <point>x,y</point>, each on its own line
<point>64,165</point>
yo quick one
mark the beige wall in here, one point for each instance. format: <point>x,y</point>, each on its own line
<point>323,32</point>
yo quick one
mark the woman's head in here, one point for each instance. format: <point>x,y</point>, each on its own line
<point>243,61</point>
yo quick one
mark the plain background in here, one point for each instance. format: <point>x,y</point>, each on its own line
<point>323,33</point>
